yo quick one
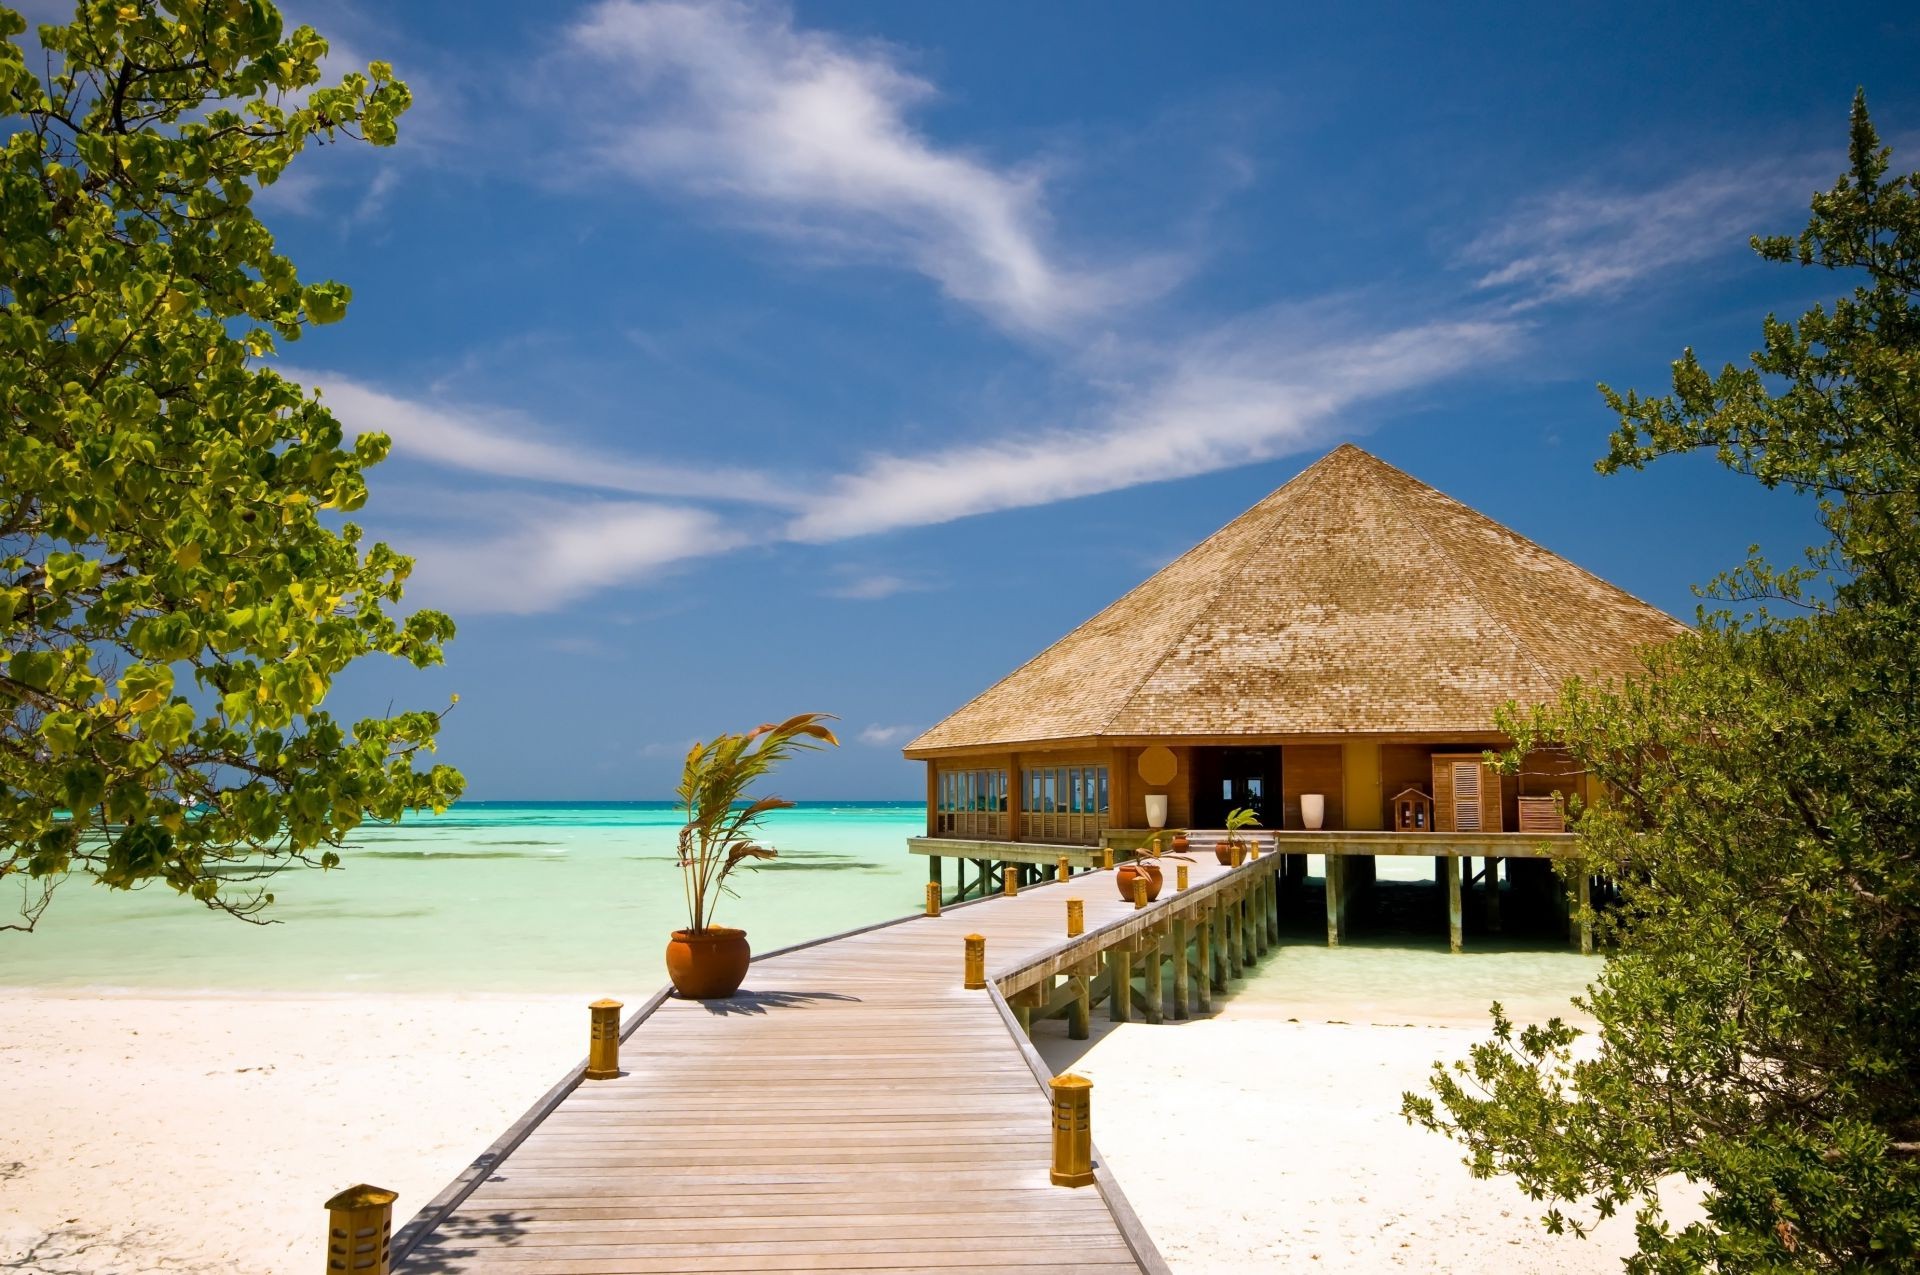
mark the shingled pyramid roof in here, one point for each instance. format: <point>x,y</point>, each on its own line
<point>1354,600</point>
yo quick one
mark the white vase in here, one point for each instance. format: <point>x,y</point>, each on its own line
<point>1313,810</point>
<point>1156,810</point>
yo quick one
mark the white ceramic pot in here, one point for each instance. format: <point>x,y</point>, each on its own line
<point>1156,810</point>
<point>1313,810</point>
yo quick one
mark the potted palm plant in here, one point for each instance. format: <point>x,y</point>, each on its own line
<point>708,961</point>
<point>1229,850</point>
<point>1146,863</point>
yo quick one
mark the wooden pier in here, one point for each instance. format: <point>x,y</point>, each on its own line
<point>855,1107</point>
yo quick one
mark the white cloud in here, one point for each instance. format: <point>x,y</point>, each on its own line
<point>1249,393</point>
<point>872,586</point>
<point>880,736</point>
<point>1595,242</point>
<point>811,134</point>
<point>487,440</point>
<point>538,555</point>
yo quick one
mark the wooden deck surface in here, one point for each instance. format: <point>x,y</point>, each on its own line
<point>854,1108</point>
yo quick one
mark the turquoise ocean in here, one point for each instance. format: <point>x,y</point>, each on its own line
<point>578,898</point>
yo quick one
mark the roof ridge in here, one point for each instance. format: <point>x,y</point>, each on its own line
<point>1226,578</point>
<point>1467,586</point>
<point>1049,648</point>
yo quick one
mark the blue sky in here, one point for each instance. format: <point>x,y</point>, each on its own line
<point>748,359</point>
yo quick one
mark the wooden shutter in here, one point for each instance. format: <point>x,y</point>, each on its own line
<point>1466,796</point>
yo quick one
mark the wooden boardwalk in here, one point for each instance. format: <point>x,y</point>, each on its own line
<point>855,1108</point>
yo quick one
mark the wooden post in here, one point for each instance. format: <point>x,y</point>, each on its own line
<point>1106,858</point>
<point>1273,908</point>
<point>1180,877</point>
<point>1010,878</point>
<point>1456,931</point>
<point>603,1040</point>
<point>360,1231</point>
<point>1250,928</point>
<point>1207,980</point>
<point>1155,987</point>
<point>1336,900</point>
<point>1080,1009</point>
<point>933,870</point>
<point>1179,967</point>
<point>1586,914</point>
<point>1493,896</point>
<point>1072,1131</point>
<point>1076,918</point>
<point>933,898</point>
<point>976,967</point>
<point>1120,973</point>
<point>1235,940</point>
<point>1063,869</point>
<point>1139,892</point>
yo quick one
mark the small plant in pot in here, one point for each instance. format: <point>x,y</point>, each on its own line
<point>1146,863</point>
<point>708,961</point>
<point>1232,850</point>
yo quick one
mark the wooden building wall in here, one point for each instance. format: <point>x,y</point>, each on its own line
<point>1312,768</point>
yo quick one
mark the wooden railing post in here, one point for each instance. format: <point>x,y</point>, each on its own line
<point>976,968</point>
<point>1139,892</point>
<point>933,898</point>
<point>360,1231</point>
<point>1076,918</point>
<point>1072,1130</point>
<point>1010,878</point>
<point>1180,877</point>
<point>1064,868</point>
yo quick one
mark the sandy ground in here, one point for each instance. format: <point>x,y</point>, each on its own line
<point>1266,1144</point>
<point>146,1133</point>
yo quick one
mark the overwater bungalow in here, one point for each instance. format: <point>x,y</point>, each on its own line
<point>1332,659</point>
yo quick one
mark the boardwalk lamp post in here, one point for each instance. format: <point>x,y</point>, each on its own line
<point>360,1231</point>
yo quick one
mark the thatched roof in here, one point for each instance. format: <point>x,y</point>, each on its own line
<point>1354,600</point>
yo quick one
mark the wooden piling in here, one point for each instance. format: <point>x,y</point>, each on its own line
<point>1120,974</point>
<point>1179,945</point>
<point>1585,901</point>
<point>1210,980</point>
<point>1336,900</point>
<point>1153,983</point>
<point>1456,930</point>
<point>1493,896</point>
<point>1080,1008</point>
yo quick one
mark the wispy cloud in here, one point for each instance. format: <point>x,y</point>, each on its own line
<point>1250,392</point>
<point>1596,241</point>
<point>495,441</point>
<point>880,736</point>
<point>809,135</point>
<point>540,555</point>
<point>871,586</point>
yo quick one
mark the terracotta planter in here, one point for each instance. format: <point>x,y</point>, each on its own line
<point>1223,851</point>
<point>1129,871</point>
<point>1179,843</point>
<point>709,965</point>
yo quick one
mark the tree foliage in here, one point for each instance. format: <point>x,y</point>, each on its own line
<point>1759,1022</point>
<point>177,591</point>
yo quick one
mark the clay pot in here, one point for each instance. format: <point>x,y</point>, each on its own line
<point>708,965</point>
<point>1179,843</point>
<point>1223,851</point>
<point>1127,872</point>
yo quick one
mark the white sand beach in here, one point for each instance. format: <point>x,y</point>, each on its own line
<point>1252,1142</point>
<point>202,1133</point>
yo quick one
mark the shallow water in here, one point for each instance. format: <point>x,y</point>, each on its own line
<point>490,897</point>
<point>539,897</point>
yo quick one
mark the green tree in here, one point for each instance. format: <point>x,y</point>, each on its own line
<point>1759,1020</point>
<point>177,591</point>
